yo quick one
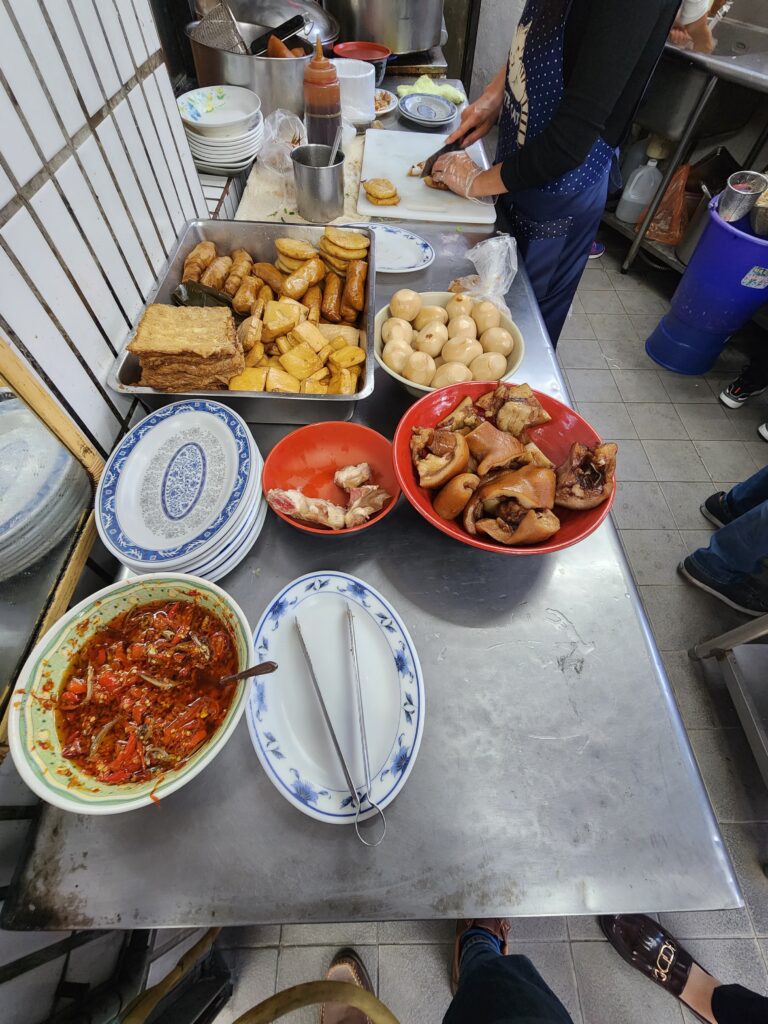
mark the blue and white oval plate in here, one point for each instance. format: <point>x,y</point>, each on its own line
<point>176,484</point>
<point>399,251</point>
<point>426,109</point>
<point>284,718</point>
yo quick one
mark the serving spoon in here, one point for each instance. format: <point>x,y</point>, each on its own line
<point>255,670</point>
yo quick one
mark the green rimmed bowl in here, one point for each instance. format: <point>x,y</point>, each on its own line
<point>33,737</point>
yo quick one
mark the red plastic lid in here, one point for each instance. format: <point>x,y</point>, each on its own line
<point>362,51</point>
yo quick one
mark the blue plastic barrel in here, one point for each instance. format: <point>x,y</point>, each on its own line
<point>722,288</point>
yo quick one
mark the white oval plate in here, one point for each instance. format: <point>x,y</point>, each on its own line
<point>399,251</point>
<point>391,102</point>
<point>284,718</point>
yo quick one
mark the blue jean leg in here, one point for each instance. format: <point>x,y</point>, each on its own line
<point>739,548</point>
<point>745,496</point>
<point>478,947</point>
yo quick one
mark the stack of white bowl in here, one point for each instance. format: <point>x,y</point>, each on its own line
<point>224,126</point>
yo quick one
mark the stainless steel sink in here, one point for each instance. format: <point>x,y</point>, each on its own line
<point>741,53</point>
<point>740,62</point>
<point>736,39</point>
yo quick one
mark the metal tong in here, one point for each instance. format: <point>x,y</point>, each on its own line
<point>357,799</point>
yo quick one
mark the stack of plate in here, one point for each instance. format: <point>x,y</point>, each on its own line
<point>427,111</point>
<point>43,489</point>
<point>182,492</point>
<point>224,127</point>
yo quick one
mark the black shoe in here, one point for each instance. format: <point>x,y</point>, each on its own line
<point>747,385</point>
<point>744,596</point>
<point>652,950</point>
<point>716,511</point>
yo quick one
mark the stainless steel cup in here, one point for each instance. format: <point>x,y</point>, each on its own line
<point>319,188</point>
<point>741,193</point>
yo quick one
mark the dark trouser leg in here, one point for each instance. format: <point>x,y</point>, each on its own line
<point>733,1004</point>
<point>554,234</point>
<point>758,363</point>
<point>493,987</point>
<point>739,548</point>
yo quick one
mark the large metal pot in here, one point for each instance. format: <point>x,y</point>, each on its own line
<point>405,26</point>
<point>271,13</point>
<point>278,82</point>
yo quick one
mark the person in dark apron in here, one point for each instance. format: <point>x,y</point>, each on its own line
<point>576,72</point>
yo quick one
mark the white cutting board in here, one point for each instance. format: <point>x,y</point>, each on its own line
<point>390,154</point>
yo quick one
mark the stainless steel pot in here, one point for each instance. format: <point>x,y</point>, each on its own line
<point>271,13</point>
<point>277,81</point>
<point>405,26</point>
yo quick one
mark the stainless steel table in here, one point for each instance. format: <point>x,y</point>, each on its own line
<point>554,776</point>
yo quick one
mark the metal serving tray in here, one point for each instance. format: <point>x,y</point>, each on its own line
<point>254,406</point>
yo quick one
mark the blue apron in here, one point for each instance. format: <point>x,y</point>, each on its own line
<point>554,224</point>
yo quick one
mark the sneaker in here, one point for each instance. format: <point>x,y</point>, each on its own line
<point>763,431</point>
<point>744,595</point>
<point>745,386</point>
<point>596,251</point>
<point>716,510</point>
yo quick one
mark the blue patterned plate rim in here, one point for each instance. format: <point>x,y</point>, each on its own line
<point>107,521</point>
<point>301,792</point>
<point>426,254</point>
<point>442,110</point>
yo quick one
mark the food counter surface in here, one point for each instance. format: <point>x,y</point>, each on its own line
<point>554,775</point>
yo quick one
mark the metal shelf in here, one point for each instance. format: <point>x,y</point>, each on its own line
<point>664,253</point>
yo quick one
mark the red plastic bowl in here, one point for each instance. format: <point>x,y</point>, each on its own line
<point>362,51</point>
<point>554,438</point>
<point>308,458</point>
<point>373,53</point>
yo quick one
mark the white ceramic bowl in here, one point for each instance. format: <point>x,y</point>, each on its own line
<point>514,359</point>
<point>219,111</point>
<point>34,740</point>
<point>223,170</point>
<point>243,149</point>
<point>257,128</point>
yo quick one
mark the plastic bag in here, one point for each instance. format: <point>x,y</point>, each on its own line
<point>671,219</point>
<point>495,260</point>
<point>283,132</point>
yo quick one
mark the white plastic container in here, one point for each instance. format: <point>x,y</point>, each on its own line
<point>357,80</point>
<point>634,156</point>
<point>638,192</point>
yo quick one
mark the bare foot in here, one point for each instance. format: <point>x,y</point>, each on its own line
<point>697,992</point>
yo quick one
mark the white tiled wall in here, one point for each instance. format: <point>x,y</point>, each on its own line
<point>96,183</point>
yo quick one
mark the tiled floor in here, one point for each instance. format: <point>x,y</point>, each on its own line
<point>677,445</point>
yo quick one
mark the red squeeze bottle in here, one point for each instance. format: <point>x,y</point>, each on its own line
<point>322,99</point>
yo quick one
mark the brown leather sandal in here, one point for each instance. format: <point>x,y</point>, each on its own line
<point>498,926</point>
<point>346,966</point>
<point>652,950</point>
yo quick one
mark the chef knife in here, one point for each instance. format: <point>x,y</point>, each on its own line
<point>429,163</point>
